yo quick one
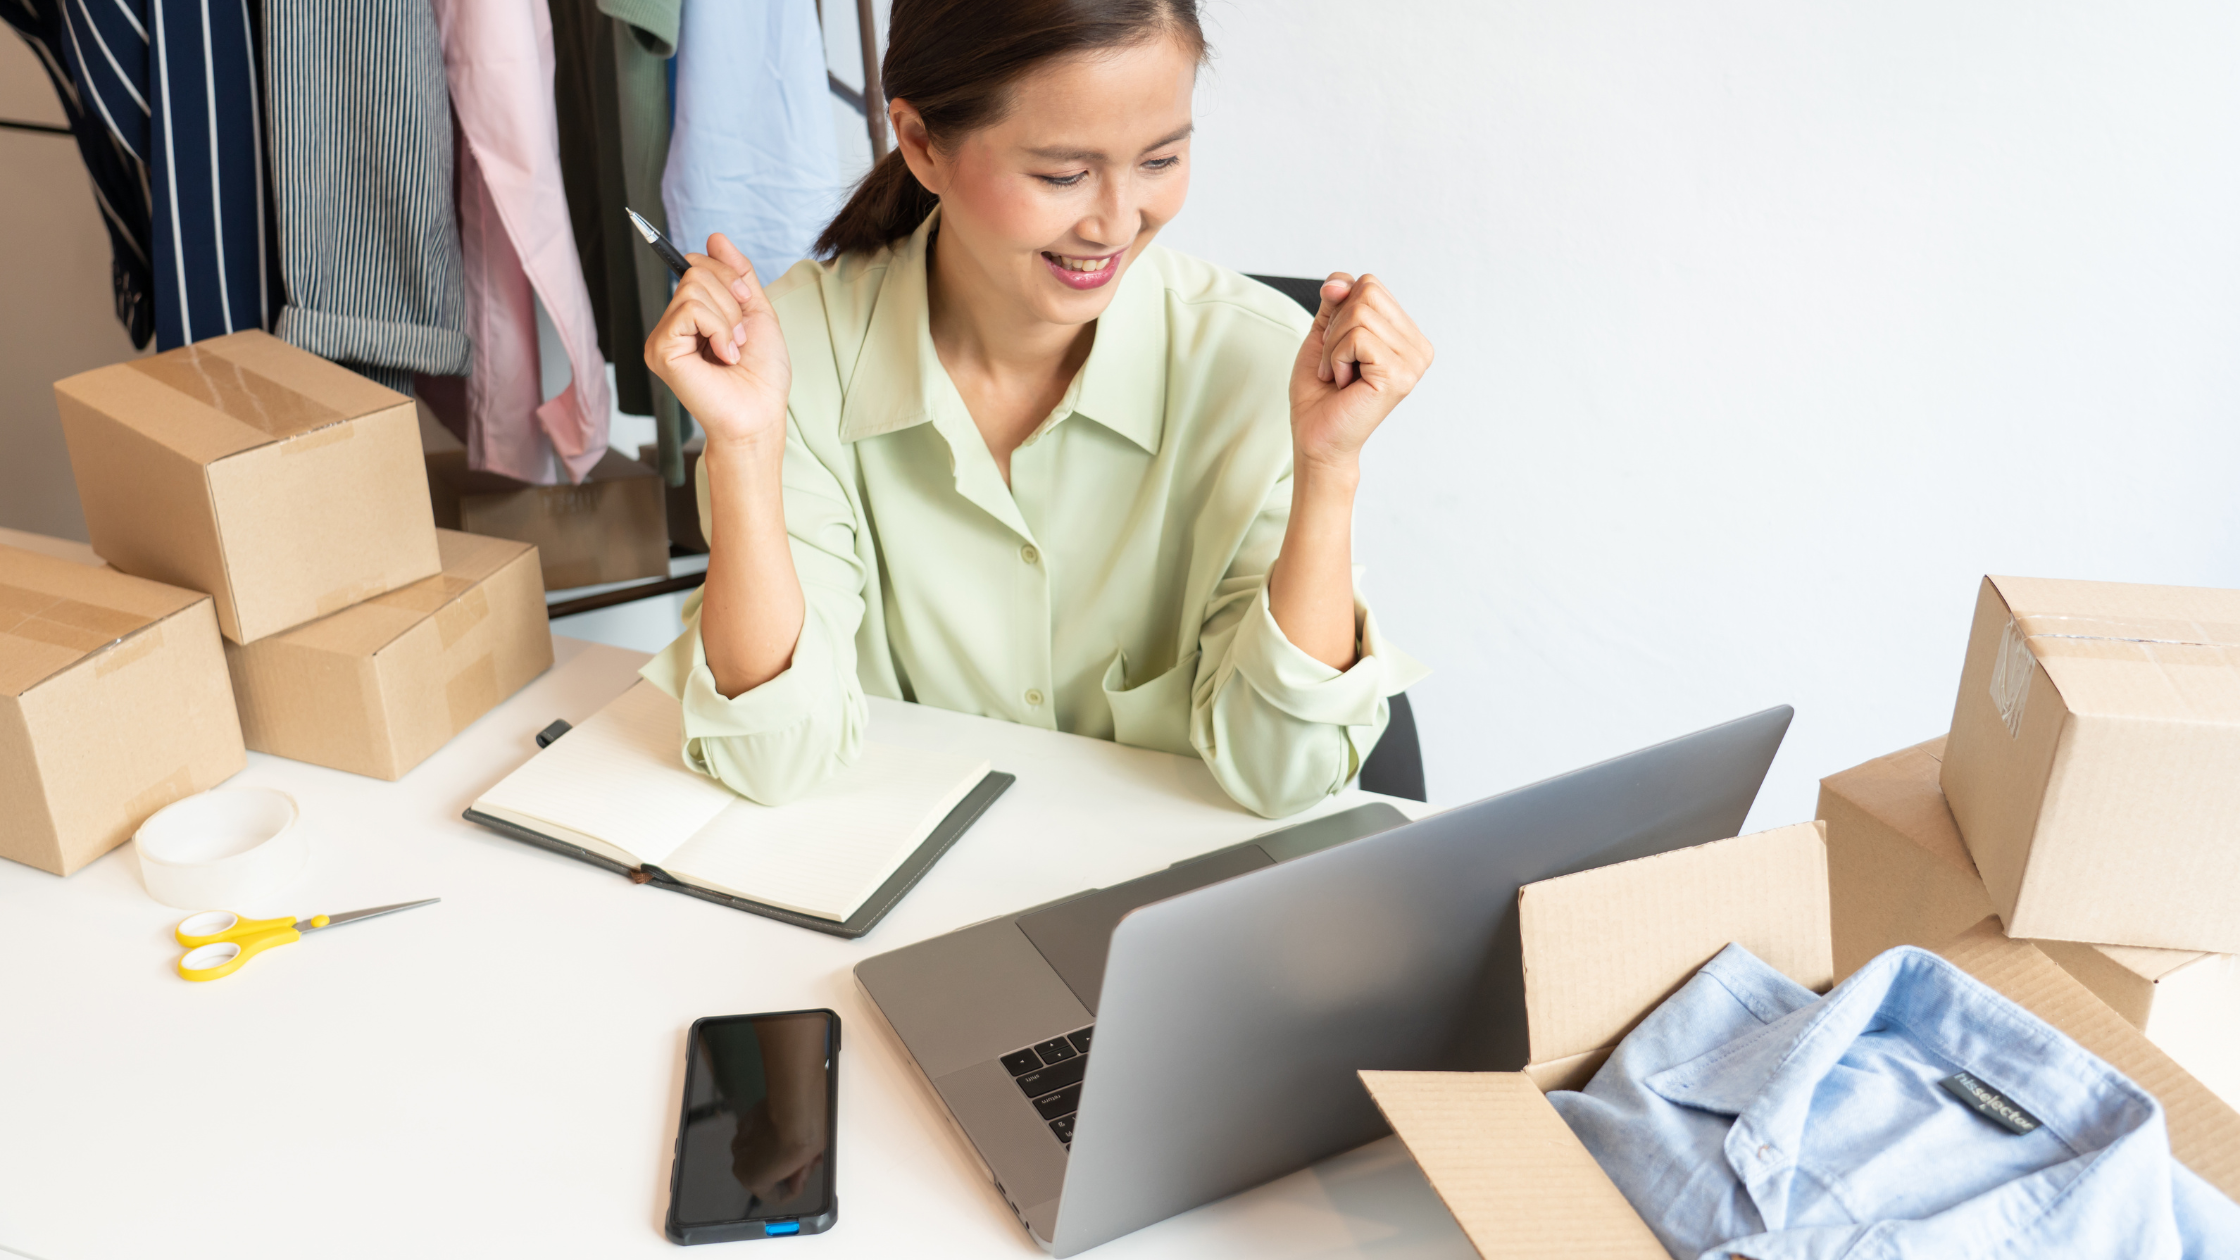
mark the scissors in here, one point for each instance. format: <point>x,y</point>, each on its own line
<point>219,941</point>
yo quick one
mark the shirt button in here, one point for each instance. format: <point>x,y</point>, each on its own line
<point>1034,696</point>
<point>1029,554</point>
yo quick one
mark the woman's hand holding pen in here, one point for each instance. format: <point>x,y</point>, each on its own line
<point>1362,357</point>
<point>719,348</point>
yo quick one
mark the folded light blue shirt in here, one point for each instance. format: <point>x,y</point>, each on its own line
<point>1749,1117</point>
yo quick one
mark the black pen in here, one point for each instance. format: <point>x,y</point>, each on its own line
<point>662,249</point>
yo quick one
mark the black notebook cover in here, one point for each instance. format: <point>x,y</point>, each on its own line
<point>867,915</point>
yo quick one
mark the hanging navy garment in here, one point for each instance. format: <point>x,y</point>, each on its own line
<point>97,55</point>
<point>214,270</point>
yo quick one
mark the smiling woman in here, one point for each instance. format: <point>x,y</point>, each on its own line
<point>1000,453</point>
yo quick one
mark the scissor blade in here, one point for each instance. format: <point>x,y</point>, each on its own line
<point>337,920</point>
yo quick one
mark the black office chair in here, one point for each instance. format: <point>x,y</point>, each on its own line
<point>1395,765</point>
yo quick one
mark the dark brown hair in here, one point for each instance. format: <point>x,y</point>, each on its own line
<point>955,60</point>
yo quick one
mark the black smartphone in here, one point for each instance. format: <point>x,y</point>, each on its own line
<point>754,1143</point>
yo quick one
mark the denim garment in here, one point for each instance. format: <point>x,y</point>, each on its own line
<point>1747,1117</point>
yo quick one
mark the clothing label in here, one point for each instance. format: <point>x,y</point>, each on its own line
<point>1989,1103</point>
<point>2010,677</point>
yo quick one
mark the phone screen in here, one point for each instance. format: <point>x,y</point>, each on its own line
<point>755,1143</point>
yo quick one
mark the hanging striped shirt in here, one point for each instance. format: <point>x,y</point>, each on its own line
<point>163,97</point>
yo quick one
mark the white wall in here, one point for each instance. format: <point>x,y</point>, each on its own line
<point>56,313</point>
<point>1764,329</point>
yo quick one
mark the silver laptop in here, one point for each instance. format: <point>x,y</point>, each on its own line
<point>1231,998</point>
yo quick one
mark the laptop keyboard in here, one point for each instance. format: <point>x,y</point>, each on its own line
<point>1049,1073</point>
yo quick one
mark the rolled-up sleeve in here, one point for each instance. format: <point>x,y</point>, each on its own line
<point>1280,729</point>
<point>777,741</point>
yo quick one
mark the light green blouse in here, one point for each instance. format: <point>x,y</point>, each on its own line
<point>1116,588</point>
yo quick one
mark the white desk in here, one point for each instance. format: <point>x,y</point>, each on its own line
<point>499,1075</point>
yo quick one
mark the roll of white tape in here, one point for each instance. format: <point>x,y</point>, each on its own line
<point>221,850</point>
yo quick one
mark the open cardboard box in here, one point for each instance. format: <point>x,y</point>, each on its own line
<point>1905,878</point>
<point>1603,948</point>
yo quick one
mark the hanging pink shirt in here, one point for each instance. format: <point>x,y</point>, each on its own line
<point>515,239</point>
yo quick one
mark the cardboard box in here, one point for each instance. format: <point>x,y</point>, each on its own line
<point>612,528</point>
<point>1898,875</point>
<point>2094,762</point>
<point>1520,1183</point>
<point>113,704</point>
<point>284,486</point>
<point>682,501</point>
<point>376,688</point>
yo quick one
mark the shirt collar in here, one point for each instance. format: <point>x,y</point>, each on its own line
<point>1767,1080</point>
<point>899,381</point>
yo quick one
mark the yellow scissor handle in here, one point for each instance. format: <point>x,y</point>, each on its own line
<point>212,926</point>
<point>223,957</point>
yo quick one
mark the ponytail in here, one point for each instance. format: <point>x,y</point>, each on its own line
<point>888,205</point>
<point>955,61</point>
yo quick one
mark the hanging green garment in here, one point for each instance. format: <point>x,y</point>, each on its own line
<point>610,88</point>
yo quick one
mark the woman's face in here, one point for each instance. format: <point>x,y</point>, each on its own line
<point>1048,206</point>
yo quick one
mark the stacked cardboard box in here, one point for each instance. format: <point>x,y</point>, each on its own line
<point>293,492</point>
<point>683,502</point>
<point>2094,761</point>
<point>1602,948</point>
<point>376,688</point>
<point>1899,875</point>
<point>113,704</point>
<point>614,527</point>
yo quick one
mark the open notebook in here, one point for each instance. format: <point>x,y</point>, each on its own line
<point>614,791</point>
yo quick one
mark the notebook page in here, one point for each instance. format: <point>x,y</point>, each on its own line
<point>826,853</point>
<point>618,777</point>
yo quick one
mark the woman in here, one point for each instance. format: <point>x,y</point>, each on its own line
<point>1001,454</point>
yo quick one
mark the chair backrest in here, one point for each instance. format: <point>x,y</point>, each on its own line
<point>1395,765</point>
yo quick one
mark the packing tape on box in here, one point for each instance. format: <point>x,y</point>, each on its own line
<point>2175,631</point>
<point>58,621</point>
<point>427,594</point>
<point>230,848</point>
<point>462,615</point>
<point>131,648</point>
<point>2061,635</point>
<point>237,393</point>
<point>336,600</point>
<point>162,792</point>
<point>2011,670</point>
<point>472,691</point>
<point>43,634</point>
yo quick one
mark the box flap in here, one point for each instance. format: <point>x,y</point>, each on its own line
<point>1505,1164</point>
<point>229,394</point>
<point>2168,653</point>
<point>1603,948</point>
<point>55,612</point>
<point>2204,1132</point>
